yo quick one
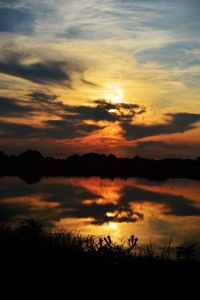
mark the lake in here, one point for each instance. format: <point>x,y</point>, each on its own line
<point>102,206</point>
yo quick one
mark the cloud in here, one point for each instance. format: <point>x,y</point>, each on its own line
<point>107,111</point>
<point>65,46</point>
<point>71,120</point>
<point>179,123</point>
<point>69,199</point>
<point>98,212</point>
<point>78,121</point>
<point>17,130</point>
<point>68,129</point>
<point>58,130</point>
<point>177,205</point>
<point>10,211</point>
<point>42,97</point>
<point>11,3</point>
<point>124,111</point>
<point>38,103</point>
<point>45,72</point>
<point>11,108</point>
<point>74,116</point>
<point>44,68</point>
<point>15,20</point>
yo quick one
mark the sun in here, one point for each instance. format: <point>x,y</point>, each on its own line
<point>114,93</point>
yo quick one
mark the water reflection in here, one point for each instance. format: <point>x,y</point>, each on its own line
<point>103,206</point>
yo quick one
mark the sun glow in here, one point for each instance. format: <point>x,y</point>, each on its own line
<point>114,93</point>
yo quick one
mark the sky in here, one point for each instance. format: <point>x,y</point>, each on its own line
<point>110,76</point>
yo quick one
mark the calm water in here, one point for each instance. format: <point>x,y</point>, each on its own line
<point>103,206</point>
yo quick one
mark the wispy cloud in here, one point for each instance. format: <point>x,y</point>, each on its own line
<point>41,72</point>
<point>57,57</point>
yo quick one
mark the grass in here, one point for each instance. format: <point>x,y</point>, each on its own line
<point>33,257</point>
<point>68,263</point>
<point>28,238</point>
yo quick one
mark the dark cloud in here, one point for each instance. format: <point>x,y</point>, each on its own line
<point>19,189</point>
<point>45,72</point>
<point>71,122</point>
<point>124,111</point>
<point>11,211</point>
<point>92,113</point>
<point>177,205</point>
<point>37,103</point>
<point>42,97</point>
<point>70,202</point>
<point>180,123</point>
<point>68,129</point>
<point>10,108</point>
<point>17,130</point>
<point>98,212</point>
<point>69,199</point>
<point>67,194</point>
<point>102,111</point>
<point>107,111</point>
<point>58,130</point>
<point>43,102</point>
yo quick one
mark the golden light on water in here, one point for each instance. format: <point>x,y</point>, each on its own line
<point>110,214</point>
<point>113,225</point>
<point>115,207</point>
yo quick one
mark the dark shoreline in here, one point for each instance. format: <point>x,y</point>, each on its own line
<point>31,166</point>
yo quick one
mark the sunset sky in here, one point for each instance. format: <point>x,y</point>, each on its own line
<point>110,76</point>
